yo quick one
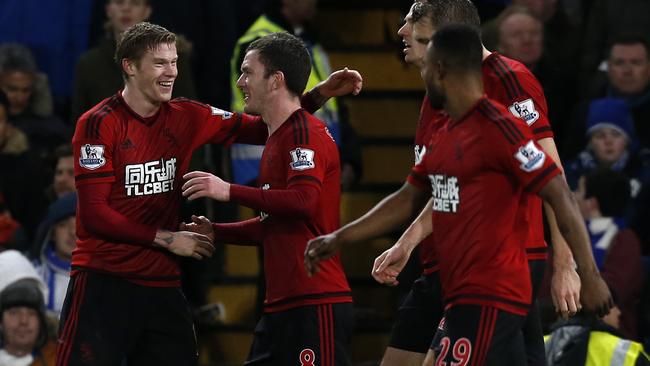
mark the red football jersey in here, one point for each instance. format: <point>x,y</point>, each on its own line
<point>144,159</point>
<point>429,122</point>
<point>510,83</point>
<point>479,168</point>
<point>301,151</point>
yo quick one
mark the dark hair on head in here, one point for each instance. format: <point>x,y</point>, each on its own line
<point>420,10</point>
<point>458,47</point>
<point>140,38</point>
<point>611,188</point>
<point>63,151</point>
<point>629,39</point>
<point>16,57</point>
<point>445,12</point>
<point>285,53</point>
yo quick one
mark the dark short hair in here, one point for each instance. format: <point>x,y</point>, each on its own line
<point>421,9</point>
<point>140,38</point>
<point>612,190</point>
<point>629,39</point>
<point>62,151</point>
<point>286,53</point>
<point>458,47</point>
<point>445,12</point>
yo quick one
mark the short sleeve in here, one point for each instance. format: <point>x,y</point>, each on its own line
<point>308,159</point>
<point>93,147</point>
<point>218,126</point>
<point>528,103</point>
<point>513,149</point>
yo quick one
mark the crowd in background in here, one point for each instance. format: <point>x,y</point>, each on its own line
<point>592,58</point>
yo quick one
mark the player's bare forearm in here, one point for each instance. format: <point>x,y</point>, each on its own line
<point>570,223</point>
<point>418,230</point>
<point>562,256</point>
<point>390,214</point>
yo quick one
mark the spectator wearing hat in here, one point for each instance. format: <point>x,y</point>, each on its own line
<point>604,196</point>
<point>24,337</point>
<point>55,240</point>
<point>611,141</point>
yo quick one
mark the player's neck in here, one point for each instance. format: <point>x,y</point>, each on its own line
<point>138,102</point>
<point>279,111</point>
<point>486,53</point>
<point>462,95</point>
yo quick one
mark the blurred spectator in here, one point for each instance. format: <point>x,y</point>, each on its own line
<point>12,235</point>
<point>24,330</point>
<point>98,76</point>
<point>27,88</point>
<point>519,34</point>
<point>610,133</point>
<point>293,16</point>
<point>63,181</point>
<point>583,340</point>
<point>603,196</point>
<point>29,103</point>
<point>14,266</point>
<point>608,20</point>
<point>57,33</point>
<point>12,140</point>
<point>20,203</point>
<point>54,243</point>
<point>627,77</point>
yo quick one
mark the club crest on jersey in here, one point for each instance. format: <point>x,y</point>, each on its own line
<point>525,110</point>
<point>92,156</point>
<point>530,157</point>
<point>445,193</point>
<point>220,112</point>
<point>419,153</point>
<point>302,159</point>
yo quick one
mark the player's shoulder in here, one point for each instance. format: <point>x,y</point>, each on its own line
<point>496,121</point>
<point>103,112</point>
<point>300,126</point>
<point>497,66</point>
<point>189,105</point>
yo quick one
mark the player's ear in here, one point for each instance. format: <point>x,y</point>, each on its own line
<point>441,70</point>
<point>128,66</point>
<point>278,80</point>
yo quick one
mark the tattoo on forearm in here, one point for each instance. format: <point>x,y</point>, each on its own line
<point>165,238</point>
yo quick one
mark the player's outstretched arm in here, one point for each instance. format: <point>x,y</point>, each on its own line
<point>340,82</point>
<point>200,225</point>
<point>201,184</point>
<point>565,282</point>
<point>595,295</point>
<point>390,214</point>
<point>184,243</point>
<point>391,262</point>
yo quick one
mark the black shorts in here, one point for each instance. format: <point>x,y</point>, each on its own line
<point>418,315</point>
<point>532,329</point>
<point>480,335</point>
<point>106,320</point>
<point>305,336</point>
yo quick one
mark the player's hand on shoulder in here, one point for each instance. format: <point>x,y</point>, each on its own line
<point>341,82</point>
<point>201,184</point>
<point>200,225</point>
<point>318,249</point>
<point>185,243</point>
<point>595,295</point>
<point>389,265</point>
